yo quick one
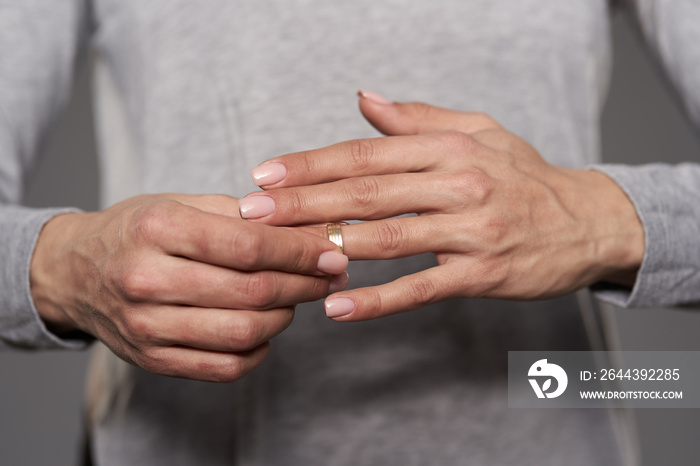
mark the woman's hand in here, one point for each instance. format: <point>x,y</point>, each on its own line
<point>502,221</point>
<point>178,284</point>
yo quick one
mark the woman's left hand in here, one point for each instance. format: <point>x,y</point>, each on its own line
<point>502,221</point>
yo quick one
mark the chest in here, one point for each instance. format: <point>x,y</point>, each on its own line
<point>302,37</point>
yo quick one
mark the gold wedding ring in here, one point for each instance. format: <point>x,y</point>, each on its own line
<point>335,235</point>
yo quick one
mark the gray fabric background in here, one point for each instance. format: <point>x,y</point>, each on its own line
<point>40,393</point>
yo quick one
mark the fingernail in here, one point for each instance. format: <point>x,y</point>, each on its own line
<point>338,282</point>
<point>332,262</point>
<point>256,206</point>
<point>339,307</point>
<point>374,97</point>
<point>268,173</point>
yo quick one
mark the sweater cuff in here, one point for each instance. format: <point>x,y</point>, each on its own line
<point>667,199</point>
<point>20,324</point>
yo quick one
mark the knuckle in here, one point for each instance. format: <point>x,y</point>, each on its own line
<point>360,154</point>
<point>305,258</point>
<point>148,361</point>
<point>244,333</point>
<point>261,290</point>
<point>475,186</point>
<point>295,201</point>
<point>372,304</point>
<point>288,316</point>
<point>420,110</point>
<point>247,246</point>
<point>220,199</point>
<point>306,161</point>
<point>201,240</point>
<point>319,289</point>
<point>422,291</point>
<point>482,187</point>
<point>493,274</point>
<point>235,370</point>
<point>233,367</point>
<point>498,228</point>
<point>230,371</point>
<point>363,192</point>
<point>485,120</point>
<point>137,283</point>
<point>222,203</point>
<point>139,328</point>
<point>390,235</point>
<point>152,221</point>
<point>457,142</point>
<point>301,254</point>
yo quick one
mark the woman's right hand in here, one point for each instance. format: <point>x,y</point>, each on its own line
<point>178,284</point>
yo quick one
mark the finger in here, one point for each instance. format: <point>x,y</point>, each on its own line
<point>400,237</point>
<point>394,118</point>
<point>404,294</point>
<point>176,280</point>
<point>205,328</point>
<point>198,364</point>
<point>364,157</point>
<point>507,142</point>
<point>361,198</point>
<point>216,239</point>
<point>219,204</point>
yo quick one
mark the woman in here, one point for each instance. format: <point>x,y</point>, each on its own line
<point>191,95</point>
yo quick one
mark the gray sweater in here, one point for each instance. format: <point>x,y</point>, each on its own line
<point>192,94</point>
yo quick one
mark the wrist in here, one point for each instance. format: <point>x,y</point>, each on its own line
<point>50,273</point>
<point>617,235</point>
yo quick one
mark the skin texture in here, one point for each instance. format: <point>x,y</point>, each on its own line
<point>502,222</point>
<point>177,284</point>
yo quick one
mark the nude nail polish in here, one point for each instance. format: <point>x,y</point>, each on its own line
<point>268,173</point>
<point>332,262</point>
<point>338,307</point>
<point>256,206</point>
<point>374,97</point>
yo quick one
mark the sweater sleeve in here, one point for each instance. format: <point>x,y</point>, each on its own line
<point>41,42</point>
<point>667,197</point>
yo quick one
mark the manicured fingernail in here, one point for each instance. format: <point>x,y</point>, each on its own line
<point>338,282</point>
<point>374,97</point>
<point>338,307</point>
<point>268,173</point>
<point>332,262</point>
<point>256,206</point>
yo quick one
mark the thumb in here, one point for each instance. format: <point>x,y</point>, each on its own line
<point>395,118</point>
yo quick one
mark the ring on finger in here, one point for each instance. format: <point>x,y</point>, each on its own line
<point>335,235</point>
